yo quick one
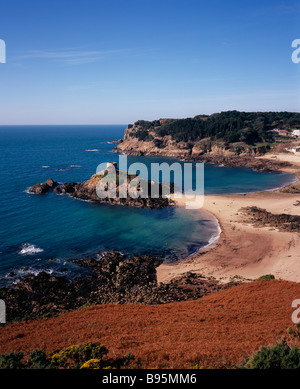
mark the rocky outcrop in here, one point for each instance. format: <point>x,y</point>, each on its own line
<point>262,218</point>
<point>116,141</point>
<point>43,188</point>
<point>68,187</point>
<point>112,279</point>
<point>166,147</point>
<point>267,165</point>
<point>217,156</point>
<point>87,190</point>
<point>153,144</point>
<point>205,150</point>
<point>292,188</point>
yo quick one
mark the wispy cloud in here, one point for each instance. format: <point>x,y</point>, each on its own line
<point>279,9</point>
<point>70,56</point>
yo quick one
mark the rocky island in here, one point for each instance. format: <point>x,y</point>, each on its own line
<point>87,190</point>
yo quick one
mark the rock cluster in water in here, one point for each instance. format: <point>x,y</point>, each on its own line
<point>43,188</point>
<point>87,191</point>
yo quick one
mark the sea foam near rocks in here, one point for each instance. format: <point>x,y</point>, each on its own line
<point>30,249</point>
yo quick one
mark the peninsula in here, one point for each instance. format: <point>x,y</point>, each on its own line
<point>232,138</point>
<point>260,233</point>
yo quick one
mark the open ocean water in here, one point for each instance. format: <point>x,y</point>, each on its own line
<point>45,232</point>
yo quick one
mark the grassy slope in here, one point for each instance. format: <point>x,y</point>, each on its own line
<point>218,329</point>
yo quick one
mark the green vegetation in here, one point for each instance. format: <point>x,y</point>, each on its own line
<point>75,356</point>
<point>158,143</point>
<point>92,364</point>
<point>142,135</point>
<point>282,355</point>
<point>36,360</point>
<point>266,277</point>
<point>253,128</point>
<point>86,356</point>
<point>11,361</point>
<point>278,356</point>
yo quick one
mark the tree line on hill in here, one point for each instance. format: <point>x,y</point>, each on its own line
<point>230,126</point>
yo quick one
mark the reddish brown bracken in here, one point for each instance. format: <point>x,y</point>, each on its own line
<point>218,330</point>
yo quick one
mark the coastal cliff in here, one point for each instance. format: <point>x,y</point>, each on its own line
<point>229,138</point>
<point>140,141</point>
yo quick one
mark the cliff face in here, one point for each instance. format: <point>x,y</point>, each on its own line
<point>163,146</point>
<point>133,146</point>
<point>155,145</point>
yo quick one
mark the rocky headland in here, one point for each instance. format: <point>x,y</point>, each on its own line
<point>142,141</point>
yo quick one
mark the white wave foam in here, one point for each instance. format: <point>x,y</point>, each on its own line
<point>21,273</point>
<point>30,249</point>
<point>295,179</point>
<point>212,241</point>
<point>77,198</point>
<point>215,237</point>
<point>74,165</point>
<point>92,150</point>
<point>31,193</point>
<point>45,167</point>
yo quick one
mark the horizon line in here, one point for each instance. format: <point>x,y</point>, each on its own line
<point>69,124</point>
<point>161,118</point>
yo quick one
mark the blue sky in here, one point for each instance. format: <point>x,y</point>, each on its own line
<point>117,61</point>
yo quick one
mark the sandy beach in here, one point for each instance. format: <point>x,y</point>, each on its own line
<point>243,250</point>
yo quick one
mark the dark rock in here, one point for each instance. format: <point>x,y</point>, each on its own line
<point>267,165</point>
<point>43,188</point>
<point>112,279</point>
<point>52,184</point>
<point>116,141</point>
<point>39,189</point>
<point>261,218</point>
<point>68,187</point>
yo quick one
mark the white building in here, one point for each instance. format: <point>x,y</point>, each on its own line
<point>296,132</point>
<point>295,150</point>
<point>108,166</point>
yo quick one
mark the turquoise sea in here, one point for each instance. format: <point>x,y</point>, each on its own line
<point>46,232</point>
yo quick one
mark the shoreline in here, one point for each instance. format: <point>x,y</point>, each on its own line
<point>195,261</point>
<point>244,251</point>
<point>239,252</point>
